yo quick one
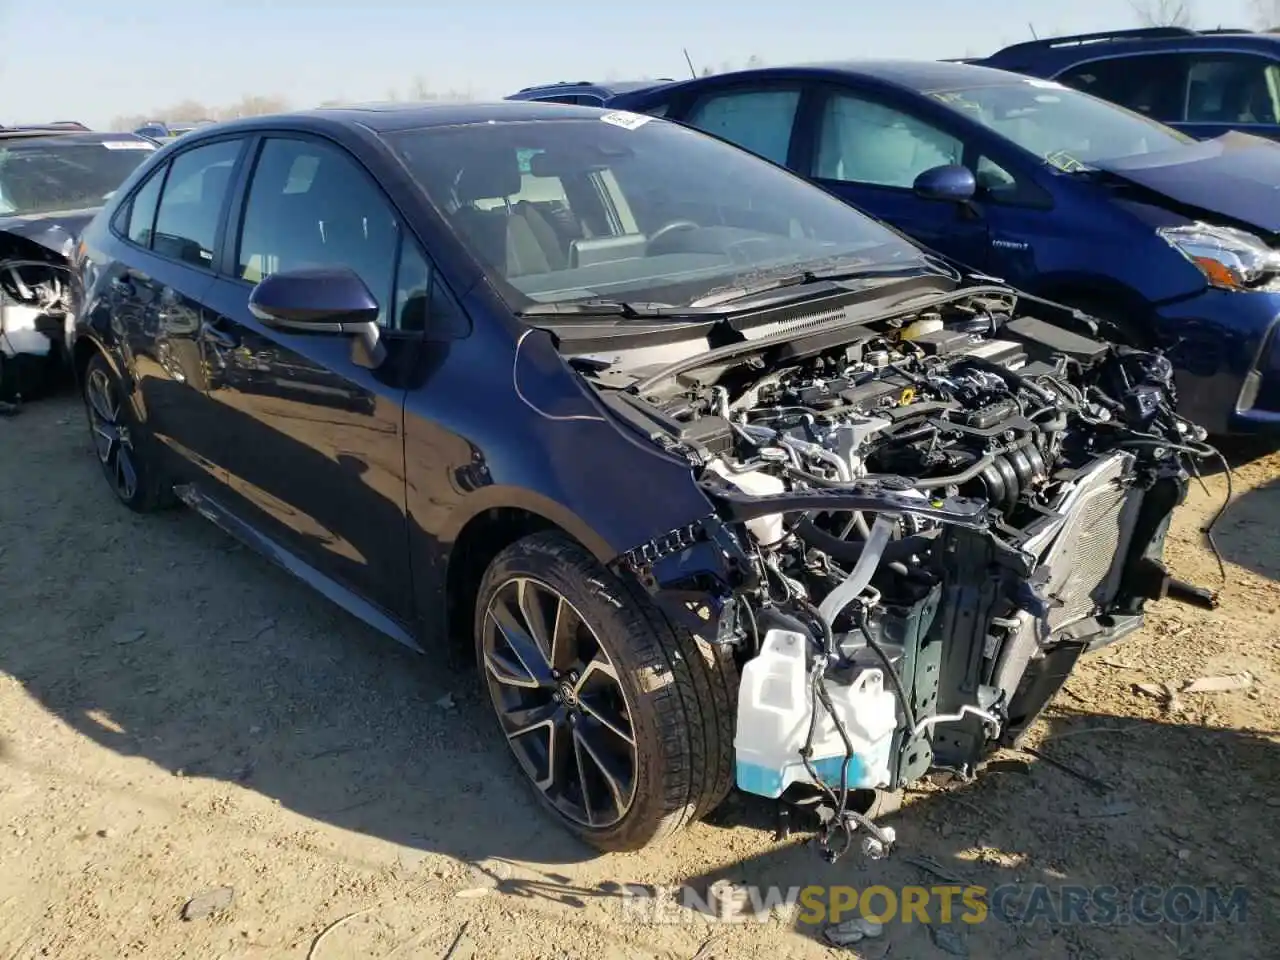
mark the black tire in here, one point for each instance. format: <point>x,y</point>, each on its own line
<point>679,693</point>
<point>123,448</point>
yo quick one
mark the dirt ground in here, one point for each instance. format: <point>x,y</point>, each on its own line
<point>177,716</point>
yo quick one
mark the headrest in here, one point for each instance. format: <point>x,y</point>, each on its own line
<point>489,175</point>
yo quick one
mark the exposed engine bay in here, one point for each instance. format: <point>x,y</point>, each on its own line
<point>931,514</point>
<point>35,296</point>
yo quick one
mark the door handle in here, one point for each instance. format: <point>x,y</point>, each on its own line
<point>217,334</point>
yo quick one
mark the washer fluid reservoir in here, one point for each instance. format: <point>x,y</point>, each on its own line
<point>774,706</point>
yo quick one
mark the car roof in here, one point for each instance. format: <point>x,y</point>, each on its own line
<point>1061,52</point>
<point>68,135</point>
<point>381,118</point>
<point>916,76</point>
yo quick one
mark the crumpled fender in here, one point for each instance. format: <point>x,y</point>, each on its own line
<point>56,232</point>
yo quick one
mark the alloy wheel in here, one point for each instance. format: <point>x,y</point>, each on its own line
<point>560,702</point>
<point>111,438</point>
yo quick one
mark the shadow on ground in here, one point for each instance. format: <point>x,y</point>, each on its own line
<point>1246,534</point>
<point>157,637</point>
<point>1026,824</point>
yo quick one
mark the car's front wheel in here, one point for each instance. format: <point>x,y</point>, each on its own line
<point>116,437</point>
<point>622,723</point>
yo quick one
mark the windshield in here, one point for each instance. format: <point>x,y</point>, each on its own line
<point>626,207</point>
<point>44,174</point>
<point>1067,129</point>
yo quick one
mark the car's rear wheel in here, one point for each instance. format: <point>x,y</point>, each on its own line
<point>117,441</point>
<point>622,723</point>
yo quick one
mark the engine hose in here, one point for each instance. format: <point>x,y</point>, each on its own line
<point>956,479</point>
<point>848,589</point>
<point>968,473</point>
<point>850,551</point>
<point>1013,380</point>
<point>895,681</point>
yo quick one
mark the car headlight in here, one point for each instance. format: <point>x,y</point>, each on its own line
<point>1230,259</point>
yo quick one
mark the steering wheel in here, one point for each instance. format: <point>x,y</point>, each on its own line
<point>675,226</point>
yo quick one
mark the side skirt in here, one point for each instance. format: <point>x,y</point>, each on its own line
<point>358,607</point>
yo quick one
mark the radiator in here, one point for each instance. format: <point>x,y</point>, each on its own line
<point>1086,558</point>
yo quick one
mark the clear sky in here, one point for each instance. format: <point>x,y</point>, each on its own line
<point>94,61</point>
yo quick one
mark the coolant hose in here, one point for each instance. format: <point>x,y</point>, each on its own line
<point>853,585</point>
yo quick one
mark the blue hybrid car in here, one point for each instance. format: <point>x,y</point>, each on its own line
<point>1066,196</point>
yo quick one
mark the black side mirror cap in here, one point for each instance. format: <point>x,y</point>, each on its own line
<point>323,300</point>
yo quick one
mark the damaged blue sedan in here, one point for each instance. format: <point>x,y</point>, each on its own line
<point>723,481</point>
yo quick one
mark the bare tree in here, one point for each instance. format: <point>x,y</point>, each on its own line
<point>185,111</point>
<point>420,91</point>
<point>1163,13</point>
<point>753,62</point>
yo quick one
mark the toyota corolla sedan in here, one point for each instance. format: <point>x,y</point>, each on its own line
<point>723,481</point>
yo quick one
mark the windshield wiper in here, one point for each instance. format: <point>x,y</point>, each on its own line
<point>869,272</point>
<point>631,310</point>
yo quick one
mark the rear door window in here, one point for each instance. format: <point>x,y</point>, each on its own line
<point>758,119</point>
<point>142,210</point>
<point>191,205</point>
<point>1153,85</point>
<point>1233,89</point>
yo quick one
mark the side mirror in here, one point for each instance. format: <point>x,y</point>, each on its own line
<point>323,300</point>
<point>951,182</point>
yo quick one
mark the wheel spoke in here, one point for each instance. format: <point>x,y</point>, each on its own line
<point>535,748</point>
<point>608,719</point>
<point>600,669</point>
<point>563,652</point>
<point>523,719</point>
<point>105,439</point>
<point>541,610</point>
<point>561,768</point>
<point>99,391</point>
<point>615,772</point>
<point>507,669</point>
<point>126,476</point>
<point>560,702</point>
<point>518,639</point>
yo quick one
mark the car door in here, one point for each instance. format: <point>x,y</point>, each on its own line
<point>869,151</point>
<point>312,442</point>
<point>171,224</point>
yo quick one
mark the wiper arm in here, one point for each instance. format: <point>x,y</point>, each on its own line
<point>807,277</point>
<point>613,308</point>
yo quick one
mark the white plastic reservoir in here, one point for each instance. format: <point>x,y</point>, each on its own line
<point>774,706</point>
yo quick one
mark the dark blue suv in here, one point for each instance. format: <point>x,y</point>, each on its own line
<point>1064,195</point>
<point>1202,82</point>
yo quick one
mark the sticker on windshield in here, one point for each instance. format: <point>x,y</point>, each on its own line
<point>1046,84</point>
<point>625,119</point>
<point>128,145</point>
